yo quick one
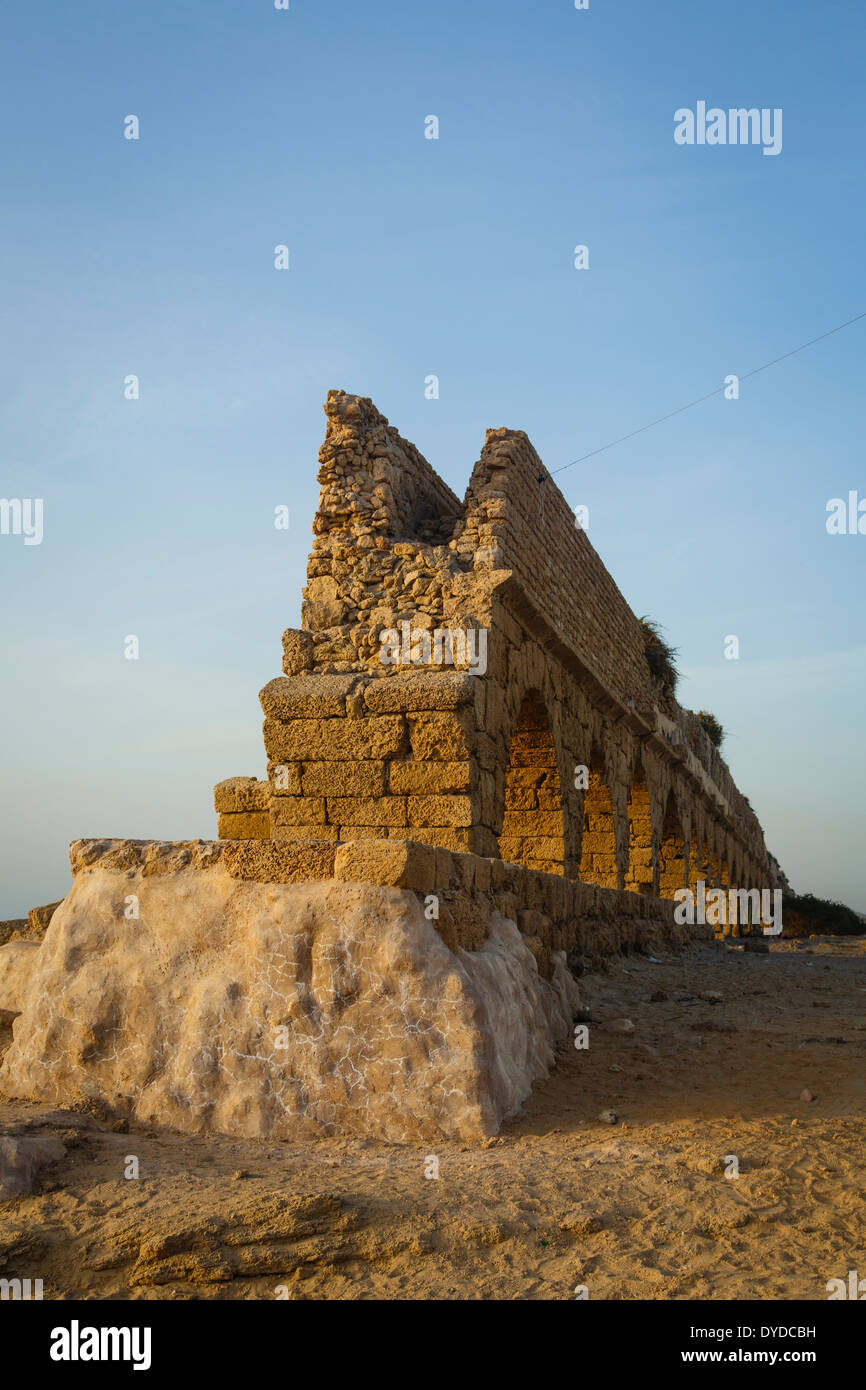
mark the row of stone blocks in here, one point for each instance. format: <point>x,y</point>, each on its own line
<point>351,756</point>
<point>459,891</point>
<point>376,798</point>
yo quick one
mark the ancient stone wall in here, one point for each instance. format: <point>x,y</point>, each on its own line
<point>476,789</point>
<point>511,713</point>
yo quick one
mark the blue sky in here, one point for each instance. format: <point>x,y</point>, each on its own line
<point>410,257</point>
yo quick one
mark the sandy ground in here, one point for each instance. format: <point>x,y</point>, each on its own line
<point>639,1208</point>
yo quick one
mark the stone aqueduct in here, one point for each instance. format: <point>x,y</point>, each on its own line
<point>385,939</point>
<point>486,762</point>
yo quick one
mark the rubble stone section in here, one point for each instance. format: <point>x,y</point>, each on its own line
<point>441,753</point>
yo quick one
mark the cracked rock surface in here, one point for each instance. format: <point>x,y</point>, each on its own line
<point>272,1010</point>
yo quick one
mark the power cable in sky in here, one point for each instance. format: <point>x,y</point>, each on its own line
<point>744,377</point>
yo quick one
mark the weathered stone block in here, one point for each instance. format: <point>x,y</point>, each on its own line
<point>365,810</point>
<point>447,837</point>
<point>298,810</point>
<point>534,757</point>
<point>356,740</point>
<point>294,833</point>
<point>420,779</point>
<point>397,863</point>
<point>440,737</point>
<point>344,778</point>
<point>284,778</point>
<point>557,897</point>
<point>241,794</point>
<point>548,867</point>
<point>508,904</point>
<point>641,826</point>
<point>533,922</point>
<point>545,847</point>
<point>323,606</point>
<point>306,696</point>
<point>533,887</point>
<point>640,859</point>
<point>270,861</point>
<point>533,823</point>
<point>521,799</point>
<point>501,875</point>
<point>243,825</point>
<point>526,777</point>
<point>444,867</point>
<point>464,865</point>
<point>440,810</point>
<point>420,690</point>
<point>511,848</point>
<point>604,863</point>
<point>470,916</point>
<point>298,649</point>
<point>595,841</point>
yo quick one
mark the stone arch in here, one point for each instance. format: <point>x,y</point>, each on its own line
<point>672,850</point>
<point>533,817</point>
<point>642,871</point>
<point>598,859</point>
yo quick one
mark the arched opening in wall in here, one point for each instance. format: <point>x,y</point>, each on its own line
<point>598,845</point>
<point>532,827</point>
<point>672,852</point>
<point>639,875</point>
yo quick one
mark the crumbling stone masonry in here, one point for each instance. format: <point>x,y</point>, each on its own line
<point>475,788</point>
<point>511,714</point>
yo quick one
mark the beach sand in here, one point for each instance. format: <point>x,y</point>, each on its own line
<point>560,1202</point>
